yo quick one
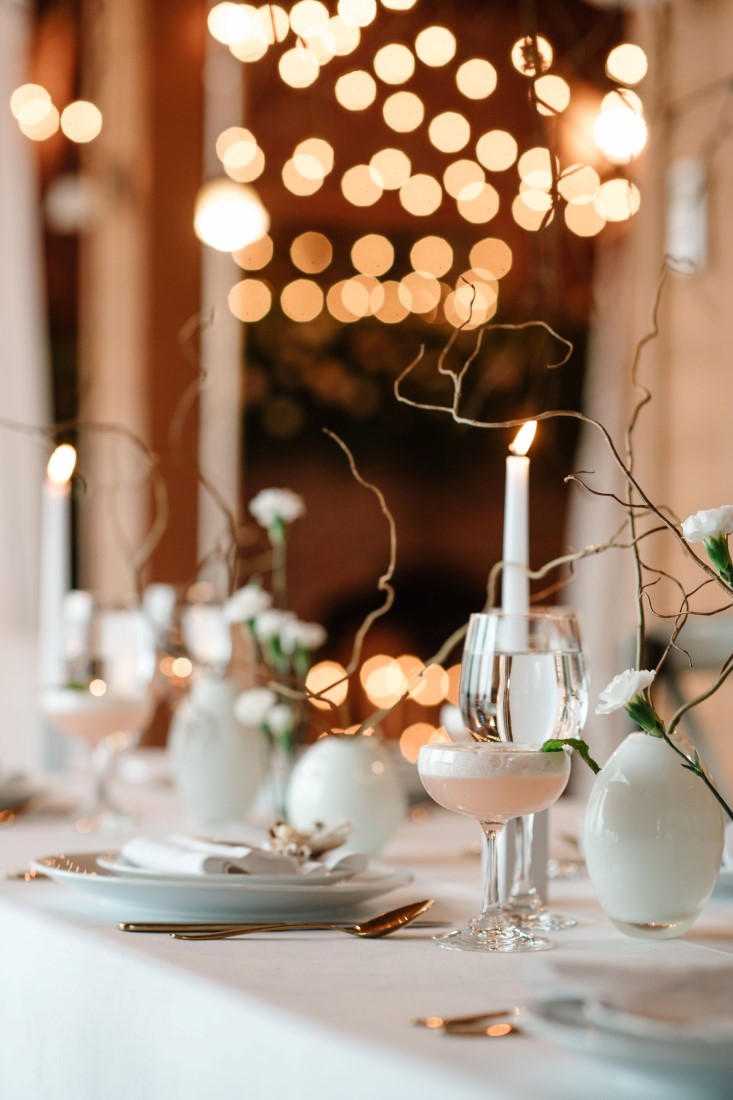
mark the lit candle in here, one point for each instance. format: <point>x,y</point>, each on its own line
<point>55,560</point>
<point>515,581</point>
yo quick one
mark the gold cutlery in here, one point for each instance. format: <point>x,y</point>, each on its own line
<point>382,925</point>
<point>495,1025</point>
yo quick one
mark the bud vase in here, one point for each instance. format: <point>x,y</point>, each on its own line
<point>348,778</point>
<point>653,839</point>
<point>217,763</point>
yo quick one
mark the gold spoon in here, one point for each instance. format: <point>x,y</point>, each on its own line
<point>369,929</point>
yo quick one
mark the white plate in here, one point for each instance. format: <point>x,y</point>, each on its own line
<point>117,865</point>
<point>139,898</point>
<point>621,1037</point>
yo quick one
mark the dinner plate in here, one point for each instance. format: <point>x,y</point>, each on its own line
<point>624,1038</point>
<point>117,865</point>
<point>236,899</point>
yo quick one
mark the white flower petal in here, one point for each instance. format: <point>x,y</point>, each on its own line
<point>251,707</point>
<point>246,604</point>
<point>710,523</point>
<point>623,689</point>
<point>298,635</point>
<point>270,505</point>
<point>269,623</point>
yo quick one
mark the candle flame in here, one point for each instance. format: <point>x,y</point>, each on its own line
<point>61,464</point>
<point>523,438</point>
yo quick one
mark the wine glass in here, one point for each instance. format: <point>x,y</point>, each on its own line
<point>101,693</point>
<point>541,654</point>
<point>493,782</point>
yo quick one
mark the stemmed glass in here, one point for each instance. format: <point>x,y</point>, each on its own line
<point>492,782</point>
<point>102,691</point>
<point>535,652</point>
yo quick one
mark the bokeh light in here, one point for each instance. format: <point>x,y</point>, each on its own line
<point>372,254</point>
<point>392,309</point>
<point>421,195</point>
<point>618,200</point>
<point>413,738</point>
<point>298,184</point>
<point>432,256</point>
<point>532,55</point>
<point>528,218</point>
<point>323,679</point>
<point>552,95</point>
<point>420,292</point>
<point>356,91</point>
<point>493,255</point>
<point>403,112</point>
<point>359,186</point>
<point>301,300</point>
<point>476,78</point>
<point>579,181</point>
<point>298,67</point>
<point>230,23</point>
<point>435,46</point>
<point>308,17</point>
<point>496,150</point>
<point>343,37</point>
<point>394,63</point>
<point>255,256</point>
<point>311,252</point>
<point>390,168</point>
<point>627,64</point>
<point>583,218</point>
<point>358,13</point>
<point>535,168</point>
<point>430,688</point>
<point>463,178</point>
<point>38,119</point>
<point>313,158</point>
<point>383,680</point>
<point>480,206</point>
<point>250,300</point>
<point>26,94</point>
<point>229,215</point>
<point>449,132</point>
<point>620,131</point>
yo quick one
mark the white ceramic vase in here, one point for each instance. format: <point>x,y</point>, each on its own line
<point>217,763</point>
<point>653,839</point>
<point>345,778</point>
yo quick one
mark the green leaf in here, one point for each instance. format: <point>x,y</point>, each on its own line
<point>557,744</point>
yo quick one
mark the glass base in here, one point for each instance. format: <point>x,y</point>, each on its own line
<point>510,938</point>
<point>541,920</point>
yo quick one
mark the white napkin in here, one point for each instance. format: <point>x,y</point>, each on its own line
<point>192,856</point>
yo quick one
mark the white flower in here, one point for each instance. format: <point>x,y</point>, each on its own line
<point>711,523</point>
<point>269,623</point>
<point>251,707</point>
<point>298,635</point>
<point>246,604</point>
<point>279,719</point>
<point>271,505</point>
<point>623,689</point>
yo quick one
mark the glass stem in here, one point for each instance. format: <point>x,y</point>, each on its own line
<point>522,886</point>
<point>101,761</point>
<point>490,908</point>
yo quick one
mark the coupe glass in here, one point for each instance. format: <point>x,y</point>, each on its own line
<point>102,691</point>
<point>492,782</point>
<point>540,656</point>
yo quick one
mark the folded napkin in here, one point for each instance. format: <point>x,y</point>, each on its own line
<point>195,856</point>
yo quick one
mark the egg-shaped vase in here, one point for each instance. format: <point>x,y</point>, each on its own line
<point>345,778</point>
<point>653,839</point>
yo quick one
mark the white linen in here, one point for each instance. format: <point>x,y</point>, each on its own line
<point>88,1011</point>
<point>180,854</point>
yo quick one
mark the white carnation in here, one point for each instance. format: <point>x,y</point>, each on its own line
<point>279,719</point>
<point>711,523</point>
<point>276,504</point>
<point>251,707</point>
<point>298,635</point>
<point>269,623</point>
<point>246,604</point>
<point>623,689</point>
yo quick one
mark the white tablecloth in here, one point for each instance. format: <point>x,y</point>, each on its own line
<point>87,1011</point>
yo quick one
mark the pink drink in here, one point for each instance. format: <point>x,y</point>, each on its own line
<point>92,718</point>
<point>493,782</point>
